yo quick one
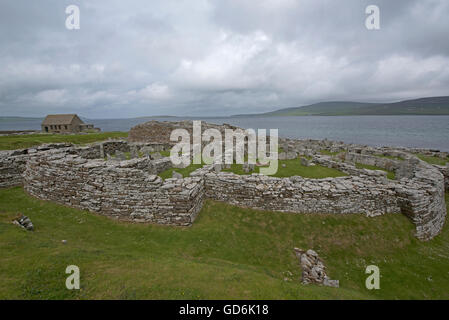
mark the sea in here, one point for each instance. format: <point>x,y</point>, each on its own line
<point>431,132</point>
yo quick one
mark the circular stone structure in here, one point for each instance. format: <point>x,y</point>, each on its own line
<point>127,190</point>
<point>91,178</point>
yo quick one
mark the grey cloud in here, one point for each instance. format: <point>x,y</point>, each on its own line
<point>135,58</point>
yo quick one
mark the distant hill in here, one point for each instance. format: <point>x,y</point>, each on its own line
<point>422,106</point>
<point>14,119</point>
<point>328,108</point>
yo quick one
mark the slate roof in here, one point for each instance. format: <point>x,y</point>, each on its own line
<point>57,119</point>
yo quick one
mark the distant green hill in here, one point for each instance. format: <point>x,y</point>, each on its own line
<point>328,108</point>
<point>14,119</point>
<point>423,106</point>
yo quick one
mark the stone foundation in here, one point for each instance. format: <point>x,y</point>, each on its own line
<point>159,132</point>
<point>367,195</point>
<point>132,190</point>
<point>126,190</point>
<point>13,163</point>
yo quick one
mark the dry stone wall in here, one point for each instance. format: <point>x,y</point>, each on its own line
<point>355,194</point>
<point>419,187</point>
<point>385,163</point>
<point>13,162</point>
<point>126,190</point>
<point>132,190</point>
<point>11,168</point>
<point>159,132</point>
<point>421,197</point>
<point>445,172</point>
<point>346,167</point>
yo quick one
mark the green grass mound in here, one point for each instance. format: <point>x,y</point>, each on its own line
<point>184,171</point>
<point>12,142</point>
<point>390,174</point>
<point>229,253</point>
<point>293,168</point>
<point>433,160</point>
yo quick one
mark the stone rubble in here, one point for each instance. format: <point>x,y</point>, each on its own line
<point>24,222</point>
<point>248,167</point>
<point>287,155</point>
<point>313,269</point>
<point>176,175</point>
<point>305,162</point>
<point>120,156</point>
<point>155,156</point>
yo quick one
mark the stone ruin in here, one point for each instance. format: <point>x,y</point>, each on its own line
<point>313,269</point>
<point>24,222</point>
<point>159,132</point>
<point>132,190</point>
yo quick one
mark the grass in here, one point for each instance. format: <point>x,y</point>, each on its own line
<point>229,253</point>
<point>390,174</point>
<point>433,160</point>
<point>293,168</point>
<point>184,171</point>
<point>12,142</point>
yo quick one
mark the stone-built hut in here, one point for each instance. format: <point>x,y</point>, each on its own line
<point>65,123</point>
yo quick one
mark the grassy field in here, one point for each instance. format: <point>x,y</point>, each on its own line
<point>30,140</point>
<point>229,253</point>
<point>294,168</point>
<point>390,174</point>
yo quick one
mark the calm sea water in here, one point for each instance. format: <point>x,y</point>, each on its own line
<point>408,131</point>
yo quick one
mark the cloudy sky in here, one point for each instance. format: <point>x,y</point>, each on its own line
<point>205,57</point>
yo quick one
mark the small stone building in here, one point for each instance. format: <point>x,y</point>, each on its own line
<point>65,123</point>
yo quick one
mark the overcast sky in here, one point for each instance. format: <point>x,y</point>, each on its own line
<point>198,57</point>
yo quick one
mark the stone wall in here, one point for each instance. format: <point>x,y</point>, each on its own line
<point>421,198</point>
<point>159,132</point>
<point>12,166</point>
<point>13,162</point>
<point>372,160</point>
<point>346,167</point>
<point>126,190</point>
<point>445,172</point>
<point>111,147</point>
<point>131,190</point>
<point>368,195</point>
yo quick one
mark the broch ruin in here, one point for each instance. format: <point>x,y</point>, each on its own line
<point>90,178</point>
